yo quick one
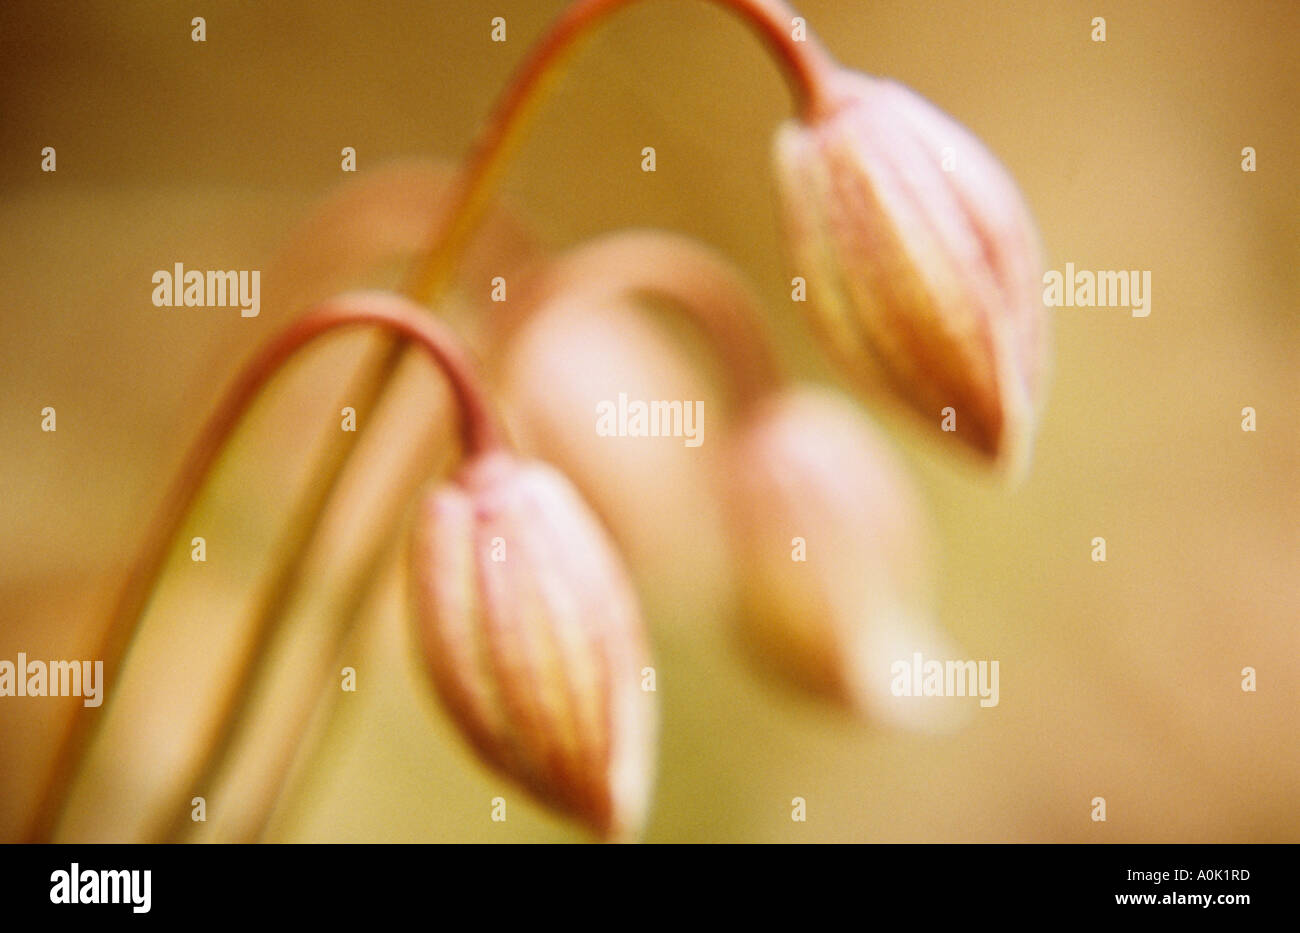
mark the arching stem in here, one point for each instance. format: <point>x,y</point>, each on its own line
<point>400,316</point>
<point>805,65</point>
<point>697,283</point>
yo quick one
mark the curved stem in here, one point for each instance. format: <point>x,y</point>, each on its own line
<point>237,718</point>
<point>805,65</point>
<point>696,281</point>
<point>411,323</point>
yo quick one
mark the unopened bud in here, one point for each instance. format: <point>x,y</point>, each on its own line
<point>834,553</point>
<point>922,262</point>
<point>584,356</point>
<point>534,639</point>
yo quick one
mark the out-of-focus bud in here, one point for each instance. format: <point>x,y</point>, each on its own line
<point>610,329</point>
<point>534,639</point>
<point>587,354</point>
<point>922,262</point>
<point>834,555</point>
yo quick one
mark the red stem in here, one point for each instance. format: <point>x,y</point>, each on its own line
<point>805,65</point>
<point>691,278</point>
<point>412,322</point>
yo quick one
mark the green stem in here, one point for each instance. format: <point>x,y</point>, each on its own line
<point>286,769</point>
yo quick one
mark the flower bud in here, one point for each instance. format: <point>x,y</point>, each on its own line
<point>584,351</point>
<point>532,634</point>
<point>921,259</point>
<point>833,551</point>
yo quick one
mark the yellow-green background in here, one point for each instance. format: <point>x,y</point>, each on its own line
<point>1118,680</point>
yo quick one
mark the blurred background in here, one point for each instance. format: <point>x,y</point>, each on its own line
<point>1119,679</point>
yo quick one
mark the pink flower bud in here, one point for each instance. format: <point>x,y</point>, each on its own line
<point>534,640</point>
<point>922,262</point>
<point>834,553</point>
<point>622,316</point>
<point>584,351</point>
